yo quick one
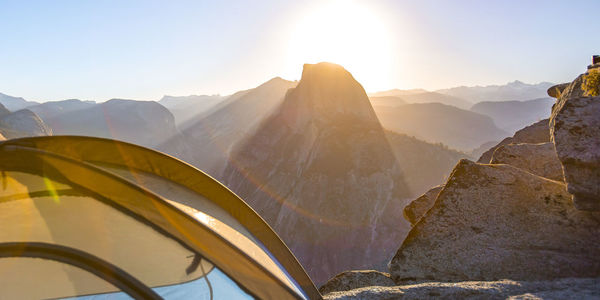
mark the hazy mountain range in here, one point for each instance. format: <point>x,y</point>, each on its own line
<point>512,91</point>
<point>514,115</point>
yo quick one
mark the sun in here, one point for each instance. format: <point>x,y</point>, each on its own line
<point>347,33</point>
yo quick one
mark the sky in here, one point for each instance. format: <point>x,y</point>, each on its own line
<point>98,50</point>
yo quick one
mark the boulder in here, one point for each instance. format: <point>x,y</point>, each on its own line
<point>356,279</point>
<point>492,222</point>
<point>569,288</point>
<point>417,208</point>
<point>539,159</point>
<point>535,133</point>
<point>556,90</point>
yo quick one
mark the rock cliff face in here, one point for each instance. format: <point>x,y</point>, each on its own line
<point>322,174</point>
<point>575,129</point>
<point>491,222</point>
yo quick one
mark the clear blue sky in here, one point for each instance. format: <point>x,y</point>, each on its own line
<point>97,50</point>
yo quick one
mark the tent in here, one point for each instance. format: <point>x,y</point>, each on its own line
<point>94,218</point>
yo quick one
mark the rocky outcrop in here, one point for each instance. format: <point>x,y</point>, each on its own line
<point>321,172</point>
<point>575,129</point>
<point>491,222</point>
<point>418,207</point>
<point>568,288</point>
<point>533,134</point>
<point>356,279</point>
<point>23,123</point>
<point>539,159</point>
<point>515,90</point>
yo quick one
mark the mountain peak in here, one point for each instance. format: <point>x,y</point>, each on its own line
<point>329,92</point>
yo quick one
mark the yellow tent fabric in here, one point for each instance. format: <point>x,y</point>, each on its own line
<point>181,202</point>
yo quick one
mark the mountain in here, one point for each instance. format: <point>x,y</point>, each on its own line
<point>387,101</point>
<point>422,96</point>
<point>514,115</point>
<point>511,91</point>
<point>187,107</point>
<point>440,123</point>
<point>397,92</point>
<point>321,172</point>
<point>50,110</point>
<point>21,123</point>
<point>14,103</point>
<point>145,123</point>
<point>423,164</point>
<point>208,139</point>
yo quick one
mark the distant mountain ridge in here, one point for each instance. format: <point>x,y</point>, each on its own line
<point>514,115</point>
<point>511,91</point>
<point>145,123</point>
<point>14,103</point>
<point>208,139</point>
<point>185,108</point>
<point>422,96</point>
<point>439,123</point>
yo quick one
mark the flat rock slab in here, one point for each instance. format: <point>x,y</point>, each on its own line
<point>575,128</point>
<point>417,208</point>
<point>539,159</point>
<point>356,279</point>
<point>569,288</point>
<point>493,222</point>
<point>533,134</point>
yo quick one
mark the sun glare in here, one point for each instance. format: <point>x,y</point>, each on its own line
<point>346,33</point>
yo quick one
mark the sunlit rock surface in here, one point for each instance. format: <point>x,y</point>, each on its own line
<point>356,279</point>
<point>322,174</point>
<point>568,288</point>
<point>539,159</point>
<point>417,208</point>
<point>575,128</point>
<point>533,134</point>
<point>491,222</point>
